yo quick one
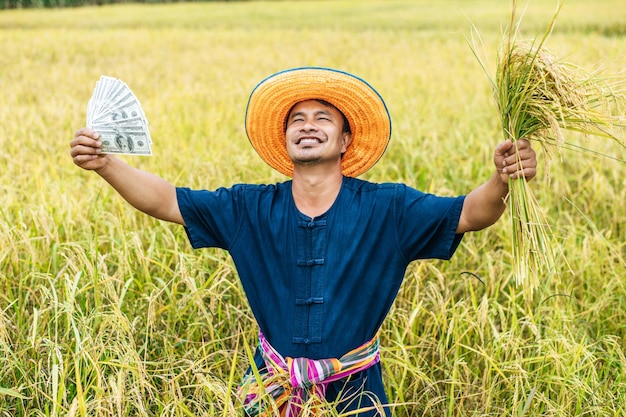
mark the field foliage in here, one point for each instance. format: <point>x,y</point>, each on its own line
<point>106,312</point>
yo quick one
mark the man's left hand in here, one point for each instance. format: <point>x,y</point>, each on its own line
<point>515,160</point>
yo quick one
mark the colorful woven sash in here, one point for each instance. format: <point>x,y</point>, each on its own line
<point>293,382</point>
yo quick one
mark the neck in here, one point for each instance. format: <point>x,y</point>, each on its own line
<point>315,193</point>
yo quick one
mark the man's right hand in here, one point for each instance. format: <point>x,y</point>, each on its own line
<point>86,150</point>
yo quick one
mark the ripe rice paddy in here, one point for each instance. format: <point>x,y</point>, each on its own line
<point>106,312</point>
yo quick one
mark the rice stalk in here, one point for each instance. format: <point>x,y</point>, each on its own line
<point>538,97</point>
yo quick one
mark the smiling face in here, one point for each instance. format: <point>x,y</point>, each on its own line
<point>316,133</point>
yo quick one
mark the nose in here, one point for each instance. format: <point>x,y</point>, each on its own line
<point>309,125</point>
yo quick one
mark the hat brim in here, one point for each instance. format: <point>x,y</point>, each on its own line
<point>363,107</point>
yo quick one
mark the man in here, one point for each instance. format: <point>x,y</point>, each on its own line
<point>322,256</point>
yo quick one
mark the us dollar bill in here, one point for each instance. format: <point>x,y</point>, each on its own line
<point>115,112</point>
<point>125,141</point>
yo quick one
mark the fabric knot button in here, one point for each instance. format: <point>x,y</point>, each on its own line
<point>311,262</point>
<point>306,340</point>
<point>309,301</point>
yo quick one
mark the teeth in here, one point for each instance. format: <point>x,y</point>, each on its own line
<point>306,140</point>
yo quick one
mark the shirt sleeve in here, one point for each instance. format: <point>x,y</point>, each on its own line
<point>210,216</point>
<point>427,224</point>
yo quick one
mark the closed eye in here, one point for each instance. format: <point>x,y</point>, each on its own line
<point>296,120</point>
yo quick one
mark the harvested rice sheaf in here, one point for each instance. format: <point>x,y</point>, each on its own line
<point>538,97</point>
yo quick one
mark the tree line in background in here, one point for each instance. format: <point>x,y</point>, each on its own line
<point>26,4</point>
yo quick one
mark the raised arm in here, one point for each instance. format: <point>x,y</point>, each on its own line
<point>146,192</point>
<point>484,205</point>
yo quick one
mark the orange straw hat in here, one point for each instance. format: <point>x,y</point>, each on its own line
<point>366,112</point>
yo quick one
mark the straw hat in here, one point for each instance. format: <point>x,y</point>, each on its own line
<point>366,112</point>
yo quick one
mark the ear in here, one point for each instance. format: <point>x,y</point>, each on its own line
<point>346,139</point>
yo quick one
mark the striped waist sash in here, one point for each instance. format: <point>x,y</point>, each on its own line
<point>291,382</point>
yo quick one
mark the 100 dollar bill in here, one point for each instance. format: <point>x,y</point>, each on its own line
<point>125,142</point>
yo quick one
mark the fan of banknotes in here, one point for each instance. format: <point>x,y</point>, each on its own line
<point>115,113</point>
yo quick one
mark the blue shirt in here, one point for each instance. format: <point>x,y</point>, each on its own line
<point>320,287</point>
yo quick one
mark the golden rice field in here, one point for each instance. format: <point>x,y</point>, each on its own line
<point>106,312</point>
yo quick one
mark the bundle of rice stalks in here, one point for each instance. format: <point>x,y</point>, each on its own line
<point>538,97</point>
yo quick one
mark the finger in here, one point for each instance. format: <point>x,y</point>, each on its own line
<point>526,173</point>
<point>522,143</point>
<point>85,145</point>
<point>86,136</point>
<point>526,156</point>
<point>504,148</point>
<point>88,132</point>
<point>83,159</point>
<point>516,163</point>
<point>519,145</point>
<point>86,141</point>
<point>82,149</point>
<point>530,164</point>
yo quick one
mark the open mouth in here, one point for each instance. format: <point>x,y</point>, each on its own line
<point>308,140</point>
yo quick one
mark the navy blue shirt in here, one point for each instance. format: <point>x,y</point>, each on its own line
<point>320,287</point>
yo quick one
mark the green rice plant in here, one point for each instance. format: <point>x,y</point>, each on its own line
<point>538,97</point>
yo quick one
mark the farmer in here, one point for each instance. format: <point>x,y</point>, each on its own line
<point>321,257</point>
